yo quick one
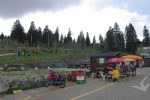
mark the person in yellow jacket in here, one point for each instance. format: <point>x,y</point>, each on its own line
<point>115,74</point>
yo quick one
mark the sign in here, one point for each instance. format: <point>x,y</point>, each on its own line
<point>101,60</point>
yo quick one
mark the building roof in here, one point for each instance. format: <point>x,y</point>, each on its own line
<point>107,54</point>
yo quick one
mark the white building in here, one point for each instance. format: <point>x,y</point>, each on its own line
<point>145,53</point>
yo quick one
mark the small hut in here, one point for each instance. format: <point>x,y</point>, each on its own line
<point>97,61</point>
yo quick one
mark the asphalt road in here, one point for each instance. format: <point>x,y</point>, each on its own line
<point>94,89</point>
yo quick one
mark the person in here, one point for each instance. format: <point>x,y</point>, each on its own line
<point>98,75</point>
<point>115,74</point>
<point>106,69</point>
<point>132,68</point>
<point>50,76</point>
<point>69,78</point>
<point>55,76</point>
<point>123,72</point>
<point>106,72</point>
<point>118,66</point>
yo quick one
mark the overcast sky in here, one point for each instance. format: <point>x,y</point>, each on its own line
<point>93,16</point>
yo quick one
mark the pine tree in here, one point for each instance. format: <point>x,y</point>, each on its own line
<point>88,42</point>
<point>81,40</point>
<point>94,40</point>
<point>65,40</point>
<point>18,33</point>
<point>56,35</point>
<point>69,38</point>
<point>61,39</point>
<point>146,35</point>
<point>122,42</point>
<point>32,35</point>
<point>2,36</point>
<point>74,43</point>
<point>101,40</point>
<point>110,40</point>
<point>118,38</point>
<point>47,37</point>
<point>131,39</point>
<point>56,39</point>
<point>39,34</point>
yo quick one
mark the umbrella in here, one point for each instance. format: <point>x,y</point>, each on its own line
<point>132,57</point>
<point>114,60</point>
<point>128,59</point>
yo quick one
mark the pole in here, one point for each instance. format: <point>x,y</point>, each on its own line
<point>38,47</point>
<point>17,56</point>
<point>48,39</point>
<point>31,39</point>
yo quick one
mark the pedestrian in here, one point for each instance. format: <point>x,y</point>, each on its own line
<point>55,76</point>
<point>118,66</point>
<point>115,74</point>
<point>106,74</point>
<point>50,76</point>
<point>132,68</point>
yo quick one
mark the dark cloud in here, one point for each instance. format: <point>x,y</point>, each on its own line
<point>16,8</point>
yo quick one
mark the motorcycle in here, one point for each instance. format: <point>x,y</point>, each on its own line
<point>60,81</point>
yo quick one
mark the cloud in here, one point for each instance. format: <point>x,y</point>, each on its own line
<point>140,6</point>
<point>85,17</point>
<point>17,8</point>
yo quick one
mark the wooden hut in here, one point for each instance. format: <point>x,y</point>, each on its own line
<point>97,61</point>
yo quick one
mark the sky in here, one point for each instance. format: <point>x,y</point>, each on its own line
<point>92,16</point>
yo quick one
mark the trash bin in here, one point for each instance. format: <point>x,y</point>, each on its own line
<point>73,76</point>
<point>80,77</point>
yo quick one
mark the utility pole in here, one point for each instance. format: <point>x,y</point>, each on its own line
<point>31,39</point>
<point>38,47</point>
<point>48,40</point>
<point>17,51</point>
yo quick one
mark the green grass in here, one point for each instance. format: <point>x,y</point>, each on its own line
<point>9,46</point>
<point>13,73</point>
<point>39,72</point>
<point>64,55</point>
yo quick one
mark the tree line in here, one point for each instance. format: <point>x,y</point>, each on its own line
<point>115,39</point>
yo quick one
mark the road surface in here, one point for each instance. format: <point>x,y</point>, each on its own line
<point>94,89</point>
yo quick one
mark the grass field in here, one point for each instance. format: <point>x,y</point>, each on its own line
<point>27,74</point>
<point>59,56</point>
<point>39,72</point>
